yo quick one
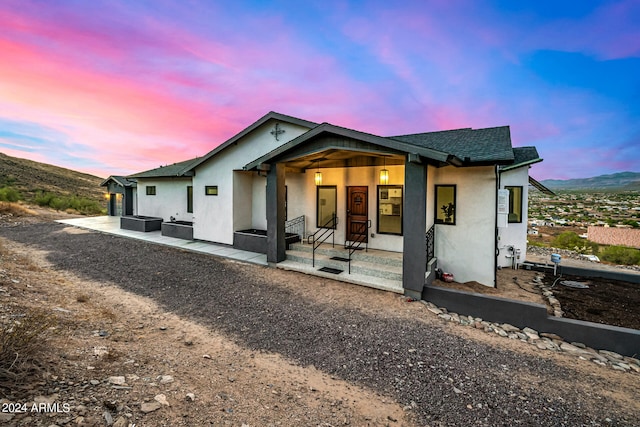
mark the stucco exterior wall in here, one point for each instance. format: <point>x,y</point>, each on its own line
<point>305,200</point>
<point>217,217</point>
<point>170,199</point>
<point>614,236</point>
<point>514,234</point>
<point>466,249</point>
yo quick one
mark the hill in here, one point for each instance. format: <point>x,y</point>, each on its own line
<point>616,181</point>
<point>31,177</point>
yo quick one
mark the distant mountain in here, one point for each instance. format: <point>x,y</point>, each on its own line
<point>29,177</point>
<point>616,181</point>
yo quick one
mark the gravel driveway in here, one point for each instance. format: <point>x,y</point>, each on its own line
<point>448,380</point>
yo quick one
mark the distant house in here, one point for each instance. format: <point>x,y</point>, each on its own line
<point>121,195</point>
<point>456,199</point>
<point>614,236</point>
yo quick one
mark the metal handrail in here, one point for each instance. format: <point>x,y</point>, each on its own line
<point>362,238</point>
<point>296,226</point>
<point>430,238</point>
<point>326,231</point>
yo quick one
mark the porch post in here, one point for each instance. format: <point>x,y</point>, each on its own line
<point>275,214</point>
<point>414,225</point>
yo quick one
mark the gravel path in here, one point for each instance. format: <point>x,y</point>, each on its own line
<point>448,380</point>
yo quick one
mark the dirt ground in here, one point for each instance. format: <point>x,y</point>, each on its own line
<point>105,332</point>
<point>185,374</point>
<point>611,302</point>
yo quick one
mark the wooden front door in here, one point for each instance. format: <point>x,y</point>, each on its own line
<point>357,214</point>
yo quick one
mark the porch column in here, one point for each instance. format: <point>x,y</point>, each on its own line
<point>275,214</point>
<point>414,225</point>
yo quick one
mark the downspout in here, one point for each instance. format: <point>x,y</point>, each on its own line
<point>495,242</point>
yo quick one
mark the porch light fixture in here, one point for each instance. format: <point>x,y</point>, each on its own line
<point>384,173</point>
<point>318,175</point>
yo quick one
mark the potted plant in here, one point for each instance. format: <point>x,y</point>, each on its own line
<point>448,211</point>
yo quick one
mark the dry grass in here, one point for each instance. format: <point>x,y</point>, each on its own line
<point>22,342</point>
<point>15,209</point>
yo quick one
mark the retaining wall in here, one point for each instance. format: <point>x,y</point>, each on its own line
<point>522,314</point>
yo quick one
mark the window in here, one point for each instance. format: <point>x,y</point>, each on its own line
<point>189,199</point>
<point>151,190</point>
<point>445,204</point>
<point>515,203</point>
<point>211,190</point>
<point>326,204</point>
<point>390,209</point>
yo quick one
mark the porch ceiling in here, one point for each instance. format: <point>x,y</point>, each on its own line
<point>340,158</point>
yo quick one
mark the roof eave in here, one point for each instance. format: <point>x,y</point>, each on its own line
<point>350,133</point>
<point>520,165</point>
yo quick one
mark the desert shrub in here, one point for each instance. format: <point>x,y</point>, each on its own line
<point>571,241</point>
<point>9,194</point>
<point>621,255</point>
<point>82,205</point>
<point>21,343</point>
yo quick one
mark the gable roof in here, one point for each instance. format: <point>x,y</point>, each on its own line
<point>120,180</point>
<point>460,147</point>
<point>327,128</point>
<point>185,168</point>
<point>473,146</point>
<point>174,170</point>
<point>269,116</point>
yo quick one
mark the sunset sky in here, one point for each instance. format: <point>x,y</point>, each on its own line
<point>116,87</point>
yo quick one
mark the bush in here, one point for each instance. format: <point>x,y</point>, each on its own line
<point>21,342</point>
<point>9,194</point>
<point>82,205</point>
<point>621,255</point>
<point>571,241</point>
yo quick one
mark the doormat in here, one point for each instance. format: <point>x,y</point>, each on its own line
<point>339,258</point>
<point>330,270</point>
<point>354,248</point>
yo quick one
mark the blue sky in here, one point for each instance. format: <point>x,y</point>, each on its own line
<point>115,87</point>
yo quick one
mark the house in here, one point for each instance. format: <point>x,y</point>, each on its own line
<point>121,195</point>
<point>456,199</point>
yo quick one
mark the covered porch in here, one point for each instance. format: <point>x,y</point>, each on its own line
<point>360,192</point>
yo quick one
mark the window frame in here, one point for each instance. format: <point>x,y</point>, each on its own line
<point>335,203</point>
<point>510,188</point>
<point>401,214</point>
<point>437,207</point>
<point>189,198</point>
<point>150,190</point>
<point>210,190</point>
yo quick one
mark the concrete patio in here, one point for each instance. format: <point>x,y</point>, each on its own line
<point>111,225</point>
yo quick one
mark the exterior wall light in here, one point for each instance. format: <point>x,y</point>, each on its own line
<point>384,177</point>
<point>318,176</point>
<point>384,173</point>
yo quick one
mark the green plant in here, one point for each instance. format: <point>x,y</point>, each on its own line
<point>621,255</point>
<point>21,342</point>
<point>571,241</point>
<point>9,194</point>
<point>82,205</point>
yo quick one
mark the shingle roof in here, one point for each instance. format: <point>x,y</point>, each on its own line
<point>176,169</point>
<point>489,145</point>
<point>120,180</point>
<point>523,156</point>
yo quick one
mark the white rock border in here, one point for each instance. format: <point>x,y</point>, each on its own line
<point>543,341</point>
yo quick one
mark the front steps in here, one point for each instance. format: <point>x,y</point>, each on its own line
<point>374,268</point>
